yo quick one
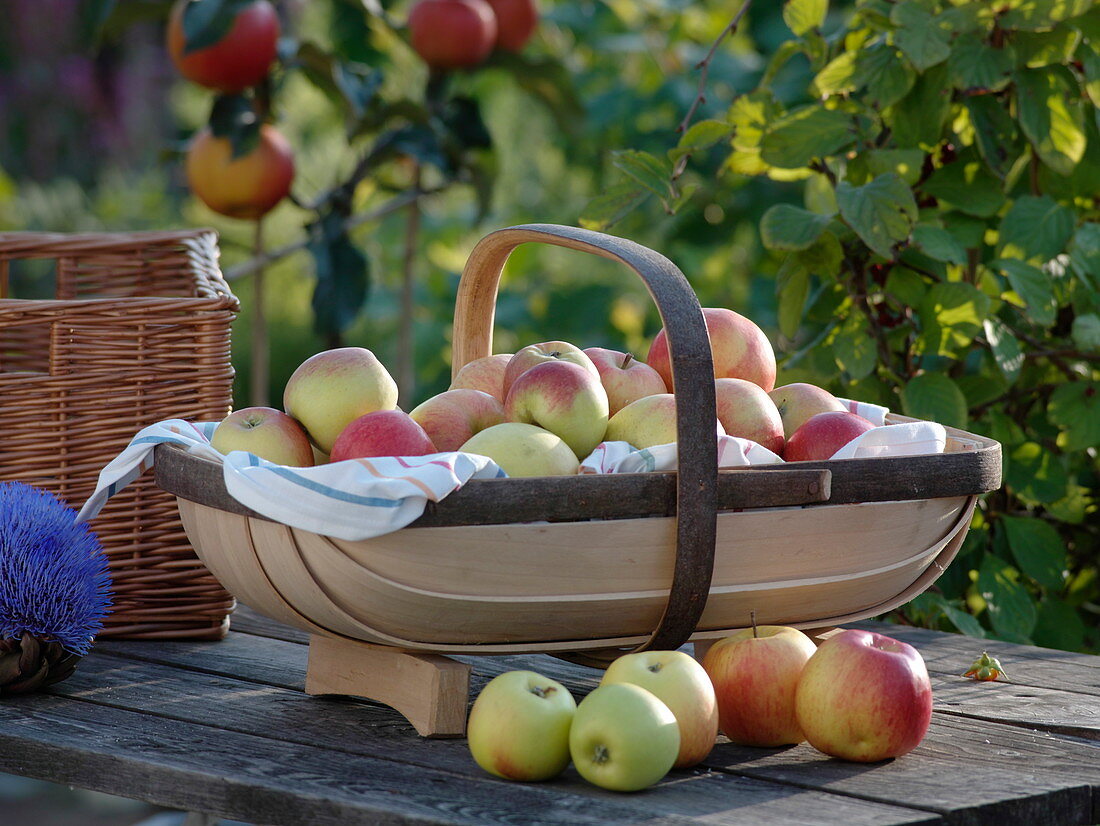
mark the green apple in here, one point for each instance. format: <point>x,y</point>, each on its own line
<point>623,738</point>
<point>519,726</point>
<point>331,389</point>
<point>680,682</point>
<point>563,398</point>
<point>648,422</point>
<point>265,432</point>
<point>524,450</point>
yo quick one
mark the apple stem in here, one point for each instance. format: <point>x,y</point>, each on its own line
<point>540,691</point>
<point>626,360</point>
<point>752,617</point>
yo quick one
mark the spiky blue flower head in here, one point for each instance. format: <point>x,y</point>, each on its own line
<point>54,582</point>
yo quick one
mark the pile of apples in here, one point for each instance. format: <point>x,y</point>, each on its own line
<point>859,696</point>
<point>541,410</point>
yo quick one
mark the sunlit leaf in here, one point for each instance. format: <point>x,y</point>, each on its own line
<point>918,35</point>
<point>935,397</point>
<point>881,212</point>
<point>802,16</point>
<point>804,135</point>
<point>1011,611</point>
<point>1035,227</point>
<point>1039,550</point>
<point>1075,409</point>
<point>1053,124</point>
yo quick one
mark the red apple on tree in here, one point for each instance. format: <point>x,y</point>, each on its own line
<point>823,435</point>
<point>382,433</point>
<point>798,401</point>
<point>265,432</point>
<point>453,416</point>
<point>624,377</point>
<point>563,398</point>
<point>755,674</point>
<point>452,34</point>
<point>864,697</point>
<point>535,354</point>
<point>245,187</point>
<point>738,348</point>
<point>745,410</point>
<point>516,22</point>
<point>485,374</point>
<point>239,59</point>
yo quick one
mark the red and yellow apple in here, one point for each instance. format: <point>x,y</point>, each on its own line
<point>484,374</point>
<point>823,435</point>
<point>524,450</point>
<point>452,34</point>
<point>864,697</point>
<point>679,681</point>
<point>453,416</point>
<point>565,399</point>
<point>264,432</point>
<point>240,59</point>
<point>332,388</point>
<point>624,377</point>
<point>247,187</point>
<point>623,738</point>
<point>738,348</point>
<point>745,410</point>
<point>535,354</point>
<point>381,433</point>
<point>799,401</point>
<point>755,674</point>
<point>519,726</point>
<point>516,22</point>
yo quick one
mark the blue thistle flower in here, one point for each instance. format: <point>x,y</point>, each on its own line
<point>54,583</point>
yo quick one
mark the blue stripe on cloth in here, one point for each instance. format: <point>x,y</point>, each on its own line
<point>333,493</point>
<point>157,440</point>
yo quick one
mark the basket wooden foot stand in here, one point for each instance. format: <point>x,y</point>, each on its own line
<point>430,690</point>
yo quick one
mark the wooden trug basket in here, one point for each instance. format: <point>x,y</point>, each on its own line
<point>138,332</point>
<point>586,567</point>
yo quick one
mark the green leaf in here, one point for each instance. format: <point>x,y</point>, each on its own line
<point>907,286</point>
<point>840,75</point>
<point>881,212</point>
<point>812,132</point>
<point>994,133</point>
<point>705,134</point>
<point>918,35</point>
<point>976,66</point>
<point>1059,625</point>
<point>819,195</point>
<point>342,272</point>
<point>351,86</point>
<point>1089,54</point>
<point>887,75</point>
<point>1053,124</point>
<point>612,206</point>
<point>919,117</point>
<point>233,117</point>
<point>1035,228</point>
<point>823,258</point>
<point>650,171</point>
<point>906,163</point>
<point>786,227</point>
<point>935,397</point>
<point>1085,331</point>
<point>782,55</point>
<point>207,22</point>
<point>966,229</point>
<point>1005,347</point>
<point>854,348</point>
<point>547,81</point>
<point>1075,410</point>
<point>1033,286</point>
<point>1084,253</point>
<point>750,116</point>
<point>1035,49</point>
<point>802,16</point>
<point>1011,611</point>
<point>952,314</point>
<point>1035,473</point>
<point>939,244</point>
<point>967,186</point>
<point>792,288</point>
<point>1038,549</point>
<point>1038,15</point>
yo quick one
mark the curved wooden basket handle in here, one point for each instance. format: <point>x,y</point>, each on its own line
<point>693,385</point>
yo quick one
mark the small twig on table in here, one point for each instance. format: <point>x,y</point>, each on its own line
<point>704,72</point>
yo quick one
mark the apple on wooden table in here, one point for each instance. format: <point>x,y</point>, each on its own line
<point>519,726</point>
<point>332,388</point>
<point>623,738</point>
<point>561,397</point>
<point>624,377</point>
<point>739,349</point>
<point>756,673</point>
<point>485,374</point>
<point>524,450</point>
<point>864,697</point>
<point>265,432</point>
<point>745,410</point>
<point>799,401</point>
<point>681,683</point>
<point>450,418</point>
<point>382,433</point>
<point>823,435</point>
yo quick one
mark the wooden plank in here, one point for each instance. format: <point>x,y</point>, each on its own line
<point>258,779</point>
<point>1047,709</point>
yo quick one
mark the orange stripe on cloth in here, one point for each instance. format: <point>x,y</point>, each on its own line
<point>412,479</point>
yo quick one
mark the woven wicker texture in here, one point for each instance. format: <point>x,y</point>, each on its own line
<point>139,331</point>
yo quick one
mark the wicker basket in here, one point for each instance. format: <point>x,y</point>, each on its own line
<point>585,567</point>
<point>138,332</point>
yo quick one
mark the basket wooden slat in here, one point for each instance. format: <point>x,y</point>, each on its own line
<point>138,331</point>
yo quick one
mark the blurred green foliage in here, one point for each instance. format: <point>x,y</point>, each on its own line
<point>903,194</point>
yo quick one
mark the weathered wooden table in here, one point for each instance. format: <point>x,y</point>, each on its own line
<point>225,728</point>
